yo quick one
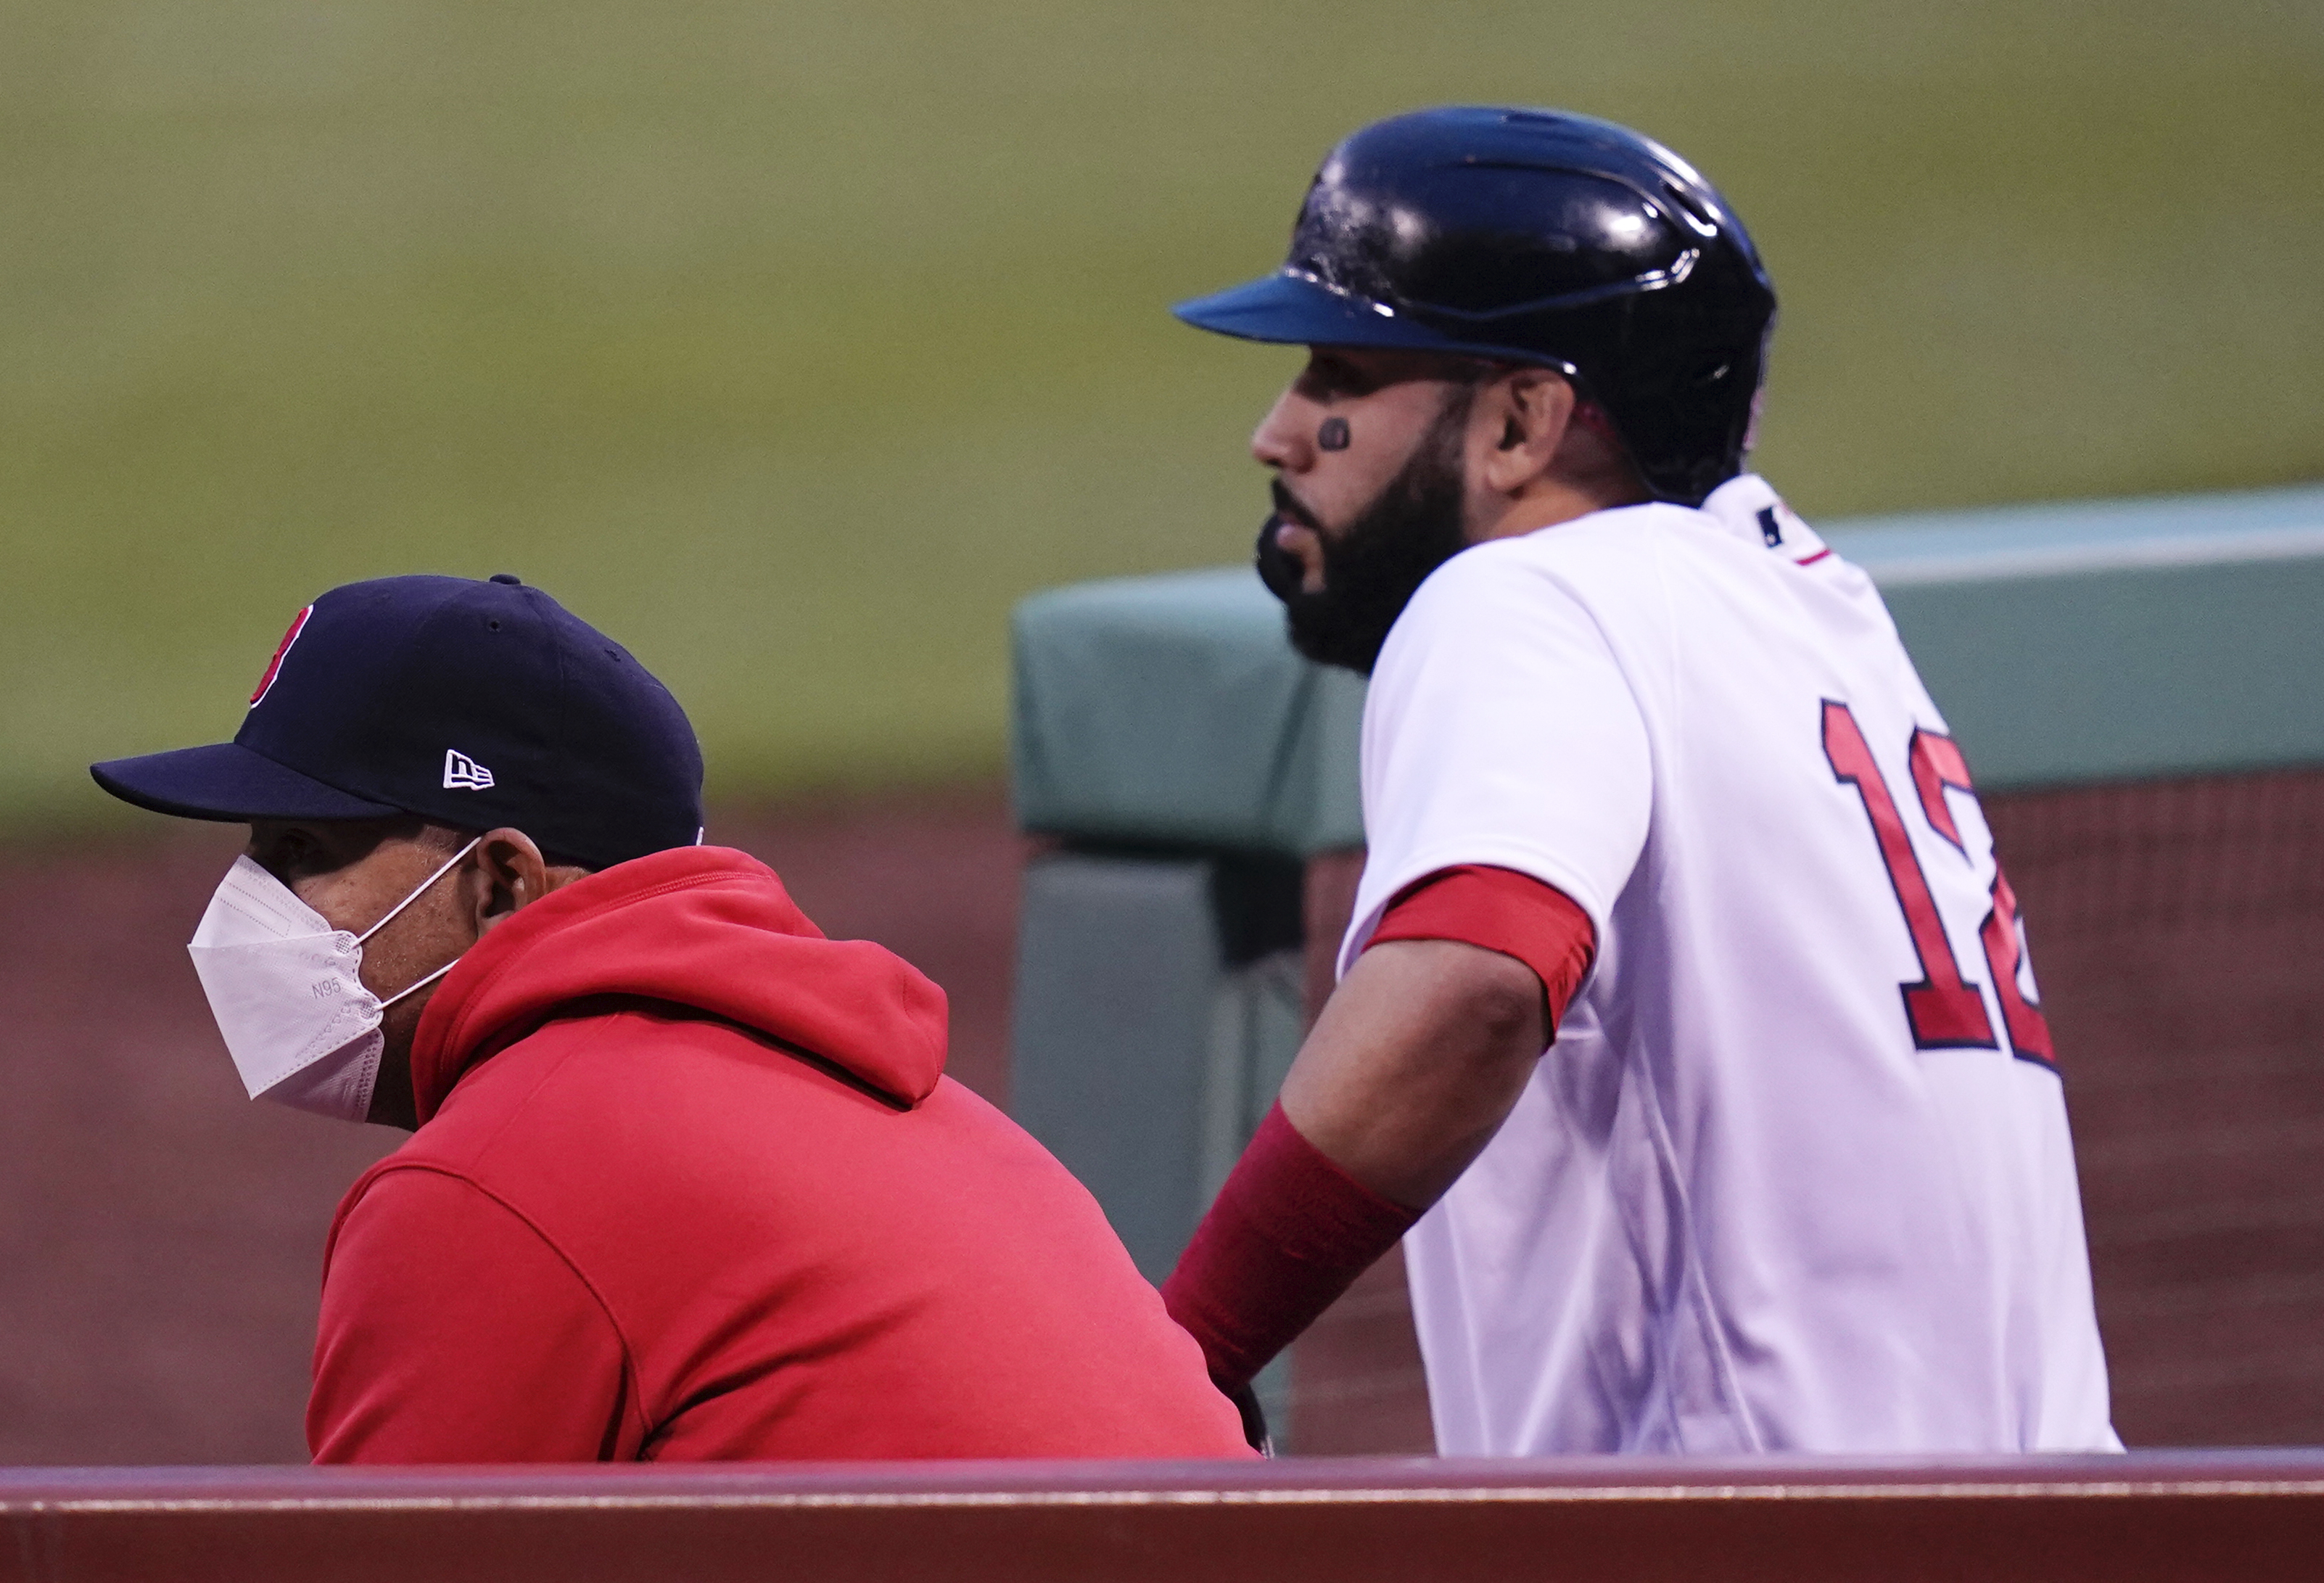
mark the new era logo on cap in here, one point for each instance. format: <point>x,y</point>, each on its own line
<point>463,773</point>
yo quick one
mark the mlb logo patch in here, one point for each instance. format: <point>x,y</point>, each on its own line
<point>463,773</point>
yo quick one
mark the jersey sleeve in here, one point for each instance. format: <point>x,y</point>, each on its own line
<point>453,1332</point>
<point>1502,732</point>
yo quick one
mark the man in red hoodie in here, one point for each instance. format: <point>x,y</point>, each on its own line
<point>686,1179</point>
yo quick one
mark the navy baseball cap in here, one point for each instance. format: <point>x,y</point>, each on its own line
<point>471,704</point>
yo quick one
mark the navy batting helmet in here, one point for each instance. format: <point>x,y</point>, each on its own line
<point>1535,236</point>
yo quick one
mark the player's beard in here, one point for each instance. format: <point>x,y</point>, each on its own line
<point>1371,571</point>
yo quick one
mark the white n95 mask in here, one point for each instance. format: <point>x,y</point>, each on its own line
<point>285,988</point>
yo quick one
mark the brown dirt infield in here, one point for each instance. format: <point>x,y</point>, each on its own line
<point>159,1235</point>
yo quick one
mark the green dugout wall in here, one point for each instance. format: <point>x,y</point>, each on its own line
<point>1189,768</point>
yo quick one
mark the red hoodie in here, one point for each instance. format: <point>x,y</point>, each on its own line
<point>690,1183</point>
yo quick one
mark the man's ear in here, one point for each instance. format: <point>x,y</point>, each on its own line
<point>513,873</point>
<point>1527,413</point>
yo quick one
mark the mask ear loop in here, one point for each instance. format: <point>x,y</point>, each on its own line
<point>425,885</point>
<point>419,984</point>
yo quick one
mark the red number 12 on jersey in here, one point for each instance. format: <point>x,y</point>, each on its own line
<point>1943,1009</point>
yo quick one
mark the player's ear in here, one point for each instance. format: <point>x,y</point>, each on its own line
<point>513,873</point>
<point>1527,413</point>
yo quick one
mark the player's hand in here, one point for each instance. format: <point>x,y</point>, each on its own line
<point>1254,1419</point>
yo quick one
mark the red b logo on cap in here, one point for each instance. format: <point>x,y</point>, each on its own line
<point>275,666</point>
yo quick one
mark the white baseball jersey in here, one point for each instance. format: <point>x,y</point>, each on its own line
<point>1795,1175</point>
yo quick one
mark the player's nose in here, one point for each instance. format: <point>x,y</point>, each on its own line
<point>1282,439</point>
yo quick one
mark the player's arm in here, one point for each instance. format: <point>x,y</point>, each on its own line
<point>1416,1061</point>
<point>453,1332</point>
<point>1420,1054</point>
<point>1499,730</point>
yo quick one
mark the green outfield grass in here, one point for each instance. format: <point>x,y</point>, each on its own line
<point>793,345</point>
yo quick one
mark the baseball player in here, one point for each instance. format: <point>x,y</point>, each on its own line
<point>1648,780</point>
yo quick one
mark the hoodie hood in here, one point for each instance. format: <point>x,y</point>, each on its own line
<point>706,928</point>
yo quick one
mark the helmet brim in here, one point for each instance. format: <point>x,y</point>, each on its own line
<point>1293,308</point>
<point>226,782</point>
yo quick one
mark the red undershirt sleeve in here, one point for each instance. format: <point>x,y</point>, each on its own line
<point>1290,1231</point>
<point>452,1331</point>
<point>1501,911</point>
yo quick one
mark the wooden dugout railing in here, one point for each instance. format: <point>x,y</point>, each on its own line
<point>2249,1517</point>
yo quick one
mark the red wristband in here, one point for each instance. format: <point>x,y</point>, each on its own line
<point>1289,1233</point>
